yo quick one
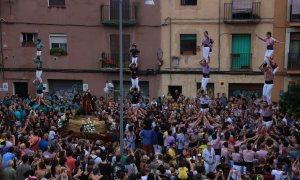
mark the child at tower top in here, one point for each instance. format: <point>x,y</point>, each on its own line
<point>134,53</point>
<point>39,47</point>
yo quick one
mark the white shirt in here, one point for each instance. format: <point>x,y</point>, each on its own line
<point>277,174</point>
<point>144,177</point>
<point>209,156</point>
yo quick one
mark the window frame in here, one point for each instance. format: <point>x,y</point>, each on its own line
<point>51,36</point>
<point>192,51</point>
<point>57,5</point>
<point>189,4</point>
<point>28,43</point>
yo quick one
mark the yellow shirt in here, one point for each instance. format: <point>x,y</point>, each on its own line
<point>172,153</point>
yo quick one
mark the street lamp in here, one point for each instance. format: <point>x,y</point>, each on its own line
<point>147,2</point>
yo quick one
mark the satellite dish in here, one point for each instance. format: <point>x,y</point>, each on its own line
<point>109,88</point>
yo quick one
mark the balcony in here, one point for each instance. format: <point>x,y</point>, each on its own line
<point>295,13</point>
<point>242,12</point>
<point>112,60</point>
<point>110,15</point>
<point>241,61</point>
<point>294,62</point>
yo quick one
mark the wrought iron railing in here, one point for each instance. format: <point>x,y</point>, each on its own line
<point>242,14</point>
<point>295,13</point>
<point>241,61</point>
<point>110,14</point>
<point>112,60</point>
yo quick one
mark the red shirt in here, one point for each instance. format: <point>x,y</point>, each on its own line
<point>71,162</point>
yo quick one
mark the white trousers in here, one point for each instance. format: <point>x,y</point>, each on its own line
<point>238,169</point>
<point>38,74</point>
<point>204,83</point>
<point>38,53</point>
<point>135,83</point>
<point>268,54</point>
<point>267,90</point>
<point>204,110</point>
<point>157,149</point>
<point>40,95</point>
<point>268,124</point>
<point>205,53</point>
<point>208,168</point>
<point>134,60</point>
<point>275,70</point>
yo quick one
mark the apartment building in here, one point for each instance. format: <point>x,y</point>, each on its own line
<point>287,29</point>
<point>237,52</point>
<point>80,40</point>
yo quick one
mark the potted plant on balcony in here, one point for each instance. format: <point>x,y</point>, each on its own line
<point>29,43</point>
<point>57,52</point>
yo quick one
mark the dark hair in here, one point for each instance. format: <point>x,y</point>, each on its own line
<point>39,40</point>
<point>206,32</point>
<point>265,65</point>
<point>269,33</point>
<point>25,159</point>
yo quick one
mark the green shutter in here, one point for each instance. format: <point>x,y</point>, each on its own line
<point>241,51</point>
<point>188,36</point>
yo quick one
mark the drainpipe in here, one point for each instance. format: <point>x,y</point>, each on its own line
<point>2,20</point>
<point>219,40</point>
<point>170,38</point>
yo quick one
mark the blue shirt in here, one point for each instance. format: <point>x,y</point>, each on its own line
<point>43,144</point>
<point>17,114</point>
<point>6,157</point>
<point>147,136</point>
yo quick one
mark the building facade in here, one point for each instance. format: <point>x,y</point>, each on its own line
<point>236,54</point>
<point>80,44</point>
<point>287,28</point>
<point>167,35</point>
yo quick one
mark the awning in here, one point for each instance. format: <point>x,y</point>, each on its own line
<point>188,36</point>
<point>242,6</point>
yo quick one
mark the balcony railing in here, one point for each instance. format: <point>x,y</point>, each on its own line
<point>249,13</point>
<point>295,13</point>
<point>294,61</point>
<point>241,61</point>
<point>112,60</point>
<point>110,15</point>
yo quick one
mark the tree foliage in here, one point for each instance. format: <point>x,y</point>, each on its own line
<point>290,100</point>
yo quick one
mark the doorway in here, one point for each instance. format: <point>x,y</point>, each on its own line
<point>21,89</point>
<point>174,91</point>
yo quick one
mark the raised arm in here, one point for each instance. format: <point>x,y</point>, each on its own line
<point>260,38</point>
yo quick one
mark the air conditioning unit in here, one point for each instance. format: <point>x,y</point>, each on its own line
<point>175,62</point>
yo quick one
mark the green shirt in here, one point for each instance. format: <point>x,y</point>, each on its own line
<point>10,174</point>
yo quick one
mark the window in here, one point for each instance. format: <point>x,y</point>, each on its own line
<point>188,44</point>
<point>58,44</point>
<point>189,2</point>
<point>28,39</point>
<point>294,52</point>
<point>56,3</point>
<point>241,51</point>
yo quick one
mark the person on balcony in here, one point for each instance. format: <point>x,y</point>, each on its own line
<point>39,65</point>
<point>270,42</point>
<point>134,76</point>
<point>134,53</point>
<point>205,72</point>
<point>39,47</point>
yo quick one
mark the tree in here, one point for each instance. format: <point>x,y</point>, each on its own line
<point>290,100</point>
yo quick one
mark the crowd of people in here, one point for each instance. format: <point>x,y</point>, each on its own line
<point>165,138</point>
